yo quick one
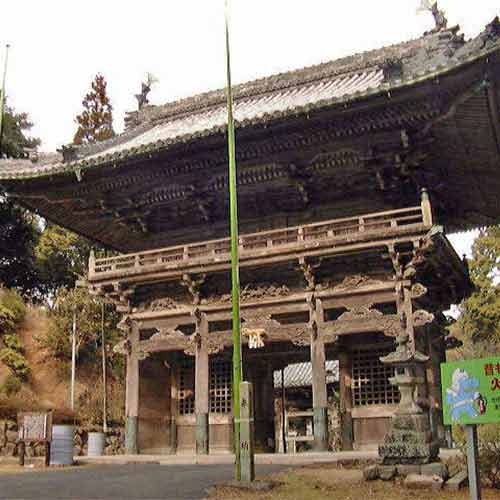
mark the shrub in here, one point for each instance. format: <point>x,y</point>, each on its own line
<point>7,323</point>
<point>12,301</point>
<point>12,312</point>
<point>11,386</point>
<point>15,361</point>
<point>12,341</point>
<point>489,451</point>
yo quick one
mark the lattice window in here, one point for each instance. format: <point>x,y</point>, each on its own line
<point>220,386</point>
<point>370,378</point>
<point>186,387</point>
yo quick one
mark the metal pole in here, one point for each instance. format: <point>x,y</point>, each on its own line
<point>73,361</point>
<point>104,375</point>
<point>2,95</point>
<point>472,462</point>
<point>235,281</point>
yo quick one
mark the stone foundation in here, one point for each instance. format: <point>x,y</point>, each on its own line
<point>409,441</point>
<point>8,441</point>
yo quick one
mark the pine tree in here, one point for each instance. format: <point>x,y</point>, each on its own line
<point>95,123</point>
<point>479,322</point>
<point>15,138</point>
<point>19,232</point>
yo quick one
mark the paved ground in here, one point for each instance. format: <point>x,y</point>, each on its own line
<point>227,458</point>
<point>139,481</point>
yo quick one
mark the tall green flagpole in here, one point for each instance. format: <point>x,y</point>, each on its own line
<point>235,279</point>
<point>2,94</point>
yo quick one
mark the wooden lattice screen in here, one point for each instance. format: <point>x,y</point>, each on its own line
<point>220,386</point>
<point>186,387</point>
<point>370,378</point>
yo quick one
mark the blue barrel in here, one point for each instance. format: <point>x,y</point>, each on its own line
<point>61,447</point>
<point>96,444</point>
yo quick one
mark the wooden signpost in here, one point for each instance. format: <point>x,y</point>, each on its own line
<point>471,396</point>
<point>34,427</point>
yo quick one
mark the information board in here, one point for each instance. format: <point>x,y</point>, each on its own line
<point>35,426</point>
<point>471,391</point>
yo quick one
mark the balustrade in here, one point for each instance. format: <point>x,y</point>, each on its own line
<point>336,231</point>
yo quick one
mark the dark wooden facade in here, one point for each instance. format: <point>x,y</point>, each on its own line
<point>343,255</point>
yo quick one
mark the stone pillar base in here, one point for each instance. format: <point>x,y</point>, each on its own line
<point>320,428</point>
<point>409,441</point>
<point>131,436</point>
<point>202,433</point>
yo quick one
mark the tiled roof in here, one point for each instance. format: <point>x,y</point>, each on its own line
<point>300,374</point>
<point>255,108</point>
<point>274,98</point>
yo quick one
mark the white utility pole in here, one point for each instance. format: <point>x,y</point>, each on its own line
<point>73,361</point>
<point>104,375</point>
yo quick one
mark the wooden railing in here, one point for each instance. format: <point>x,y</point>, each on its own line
<point>214,251</point>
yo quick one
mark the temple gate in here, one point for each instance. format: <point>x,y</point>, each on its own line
<point>349,175</point>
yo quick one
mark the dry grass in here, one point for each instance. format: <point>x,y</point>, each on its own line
<point>48,385</point>
<point>320,482</point>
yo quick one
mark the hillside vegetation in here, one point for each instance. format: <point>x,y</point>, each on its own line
<point>32,377</point>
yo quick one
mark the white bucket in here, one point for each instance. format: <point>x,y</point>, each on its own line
<point>96,444</point>
<point>61,447</point>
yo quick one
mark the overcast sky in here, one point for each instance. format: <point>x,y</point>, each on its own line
<point>59,45</point>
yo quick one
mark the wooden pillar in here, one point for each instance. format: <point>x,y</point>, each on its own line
<point>202,388</point>
<point>173,406</point>
<point>320,403</point>
<point>346,424</point>
<point>426,208</point>
<point>434,385</point>
<point>132,393</point>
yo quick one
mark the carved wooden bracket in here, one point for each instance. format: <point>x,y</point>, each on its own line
<point>193,286</point>
<point>421,248</point>
<point>396,263</point>
<point>298,334</point>
<point>125,324</point>
<point>142,355</point>
<point>162,304</point>
<point>123,347</point>
<point>213,343</point>
<point>121,296</point>
<point>366,318</point>
<point>302,182</point>
<point>354,281</point>
<point>174,340</point>
<point>308,270</point>
<point>418,290</point>
<point>422,317</point>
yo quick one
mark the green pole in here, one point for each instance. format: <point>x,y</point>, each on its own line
<point>2,94</point>
<point>235,279</point>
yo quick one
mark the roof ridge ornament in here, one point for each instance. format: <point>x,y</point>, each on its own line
<point>142,97</point>
<point>439,16</point>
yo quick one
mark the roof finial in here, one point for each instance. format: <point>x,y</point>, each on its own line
<point>439,16</point>
<point>142,98</point>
